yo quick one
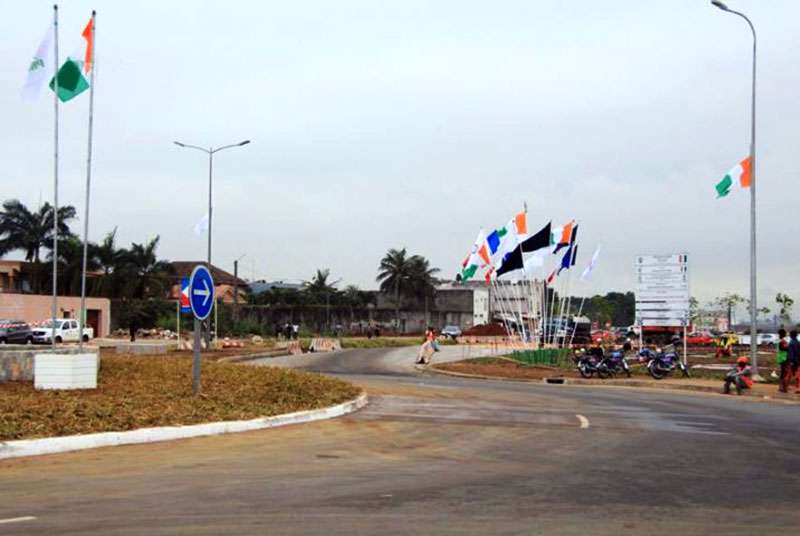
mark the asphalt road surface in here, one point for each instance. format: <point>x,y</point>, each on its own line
<point>440,455</point>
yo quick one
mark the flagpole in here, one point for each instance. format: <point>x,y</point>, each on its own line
<point>82,321</point>
<point>55,178</point>
<point>575,327</point>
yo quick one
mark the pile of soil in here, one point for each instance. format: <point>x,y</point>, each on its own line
<point>486,330</point>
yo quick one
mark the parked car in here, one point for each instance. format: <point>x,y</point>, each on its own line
<point>66,331</point>
<point>702,338</point>
<point>761,339</point>
<point>15,332</point>
<point>451,331</point>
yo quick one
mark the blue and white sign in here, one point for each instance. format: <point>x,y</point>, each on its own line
<point>185,306</point>
<point>201,292</point>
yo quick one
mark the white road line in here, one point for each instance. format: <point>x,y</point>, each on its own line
<point>584,421</point>
<point>16,519</point>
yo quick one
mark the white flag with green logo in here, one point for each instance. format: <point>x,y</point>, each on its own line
<point>40,69</point>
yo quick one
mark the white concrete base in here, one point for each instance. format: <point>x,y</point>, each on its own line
<point>65,371</point>
<point>51,445</point>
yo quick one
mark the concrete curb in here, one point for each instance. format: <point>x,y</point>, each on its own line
<point>52,445</point>
<point>251,357</point>
<point>629,384</point>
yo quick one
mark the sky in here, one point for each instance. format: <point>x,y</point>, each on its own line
<point>378,125</point>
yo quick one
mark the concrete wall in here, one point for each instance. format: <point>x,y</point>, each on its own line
<point>37,308</point>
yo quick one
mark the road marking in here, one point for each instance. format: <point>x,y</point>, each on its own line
<point>584,421</point>
<point>16,519</point>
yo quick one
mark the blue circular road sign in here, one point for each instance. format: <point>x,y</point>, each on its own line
<point>201,292</point>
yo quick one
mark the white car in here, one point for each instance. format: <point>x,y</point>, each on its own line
<point>451,331</point>
<point>66,331</point>
<point>762,339</point>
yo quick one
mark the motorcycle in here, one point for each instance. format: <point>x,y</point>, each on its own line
<point>661,364</point>
<point>587,363</point>
<point>613,364</point>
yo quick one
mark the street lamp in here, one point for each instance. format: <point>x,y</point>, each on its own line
<point>210,151</point>
<point>753,306</point>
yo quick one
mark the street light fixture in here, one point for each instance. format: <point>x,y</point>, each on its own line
<point>753,305</point>
<point>210,151</point>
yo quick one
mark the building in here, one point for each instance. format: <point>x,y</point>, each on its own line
<point>15,276</point>
<point>18,303</point>
<point>226,285</point>
<point>37,308</point>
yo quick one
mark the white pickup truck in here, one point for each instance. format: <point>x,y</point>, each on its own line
<point>66,331</point>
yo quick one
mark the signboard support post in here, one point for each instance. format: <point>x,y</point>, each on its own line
<point>178,321</point>
<point>196,359</point>
<point>685,351</point>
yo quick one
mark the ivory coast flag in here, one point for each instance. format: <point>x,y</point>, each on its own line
<point>741,173</point>
<point>72,74</point>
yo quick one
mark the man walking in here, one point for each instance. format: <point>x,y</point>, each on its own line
<point>781,356</point>
<point>793,358</point>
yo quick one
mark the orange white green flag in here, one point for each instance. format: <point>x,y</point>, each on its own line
<point>741,173</point>
<point>73,74</point>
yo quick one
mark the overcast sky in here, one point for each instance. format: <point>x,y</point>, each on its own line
<point>410,123</point>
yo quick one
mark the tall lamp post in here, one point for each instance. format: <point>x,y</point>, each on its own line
<point>210,151</point>
<point>753,305</point>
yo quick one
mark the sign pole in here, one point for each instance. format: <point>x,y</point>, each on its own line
<point>685,356</point>
<point>196,359</point>
<point>178,321</point>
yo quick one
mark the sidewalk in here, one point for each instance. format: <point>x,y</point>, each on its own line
<point>759,390</point>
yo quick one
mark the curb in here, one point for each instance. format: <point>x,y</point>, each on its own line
<point>252,357</point>
<point>630,384</point>
<point>53,445</point>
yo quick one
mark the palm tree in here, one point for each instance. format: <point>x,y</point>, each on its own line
<point>108,259</point>
<point>422,282</point>
<point>148,276</point>
<point>393,275</point>
<point>70,263</point>
<point>22,229</point>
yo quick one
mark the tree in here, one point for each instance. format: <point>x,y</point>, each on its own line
<point>421,280</point>
<point>108,259</point>
<point>146,275</point>
<point>70,264</point>
<point>393,275</point>
<point>28,231</point>
<point>786,303</point>
<point>728,302</point>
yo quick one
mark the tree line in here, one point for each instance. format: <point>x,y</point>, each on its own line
<point>133,273</point>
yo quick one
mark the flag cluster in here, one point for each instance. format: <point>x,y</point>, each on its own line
<point>72,77</point>
<point>512,253</point>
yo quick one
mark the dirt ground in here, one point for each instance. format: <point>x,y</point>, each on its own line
<point>504,368</point>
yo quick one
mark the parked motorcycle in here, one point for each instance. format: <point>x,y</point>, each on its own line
<point>662,363</point>
<point>588,361</point>
<point>613,364</point>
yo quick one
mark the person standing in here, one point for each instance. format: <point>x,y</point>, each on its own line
<point>793,358</point>
<point>781,359</point>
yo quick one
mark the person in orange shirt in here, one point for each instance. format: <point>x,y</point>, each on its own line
<point>740,376</point>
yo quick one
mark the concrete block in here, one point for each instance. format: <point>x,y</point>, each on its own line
<point>65,371</point>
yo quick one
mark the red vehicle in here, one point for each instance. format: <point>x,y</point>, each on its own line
<point>700,339</point>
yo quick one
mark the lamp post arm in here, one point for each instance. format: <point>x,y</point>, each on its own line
<point>218,149</point>
<point>186,145</point>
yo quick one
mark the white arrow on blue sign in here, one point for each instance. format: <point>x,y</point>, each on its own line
<point>201,292</point>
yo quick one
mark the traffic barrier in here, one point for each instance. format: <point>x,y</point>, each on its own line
<point>323,344</point>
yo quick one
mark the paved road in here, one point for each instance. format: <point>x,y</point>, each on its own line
<point>438,455</point>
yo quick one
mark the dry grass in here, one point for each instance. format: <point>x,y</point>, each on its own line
<point>137,392</point>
